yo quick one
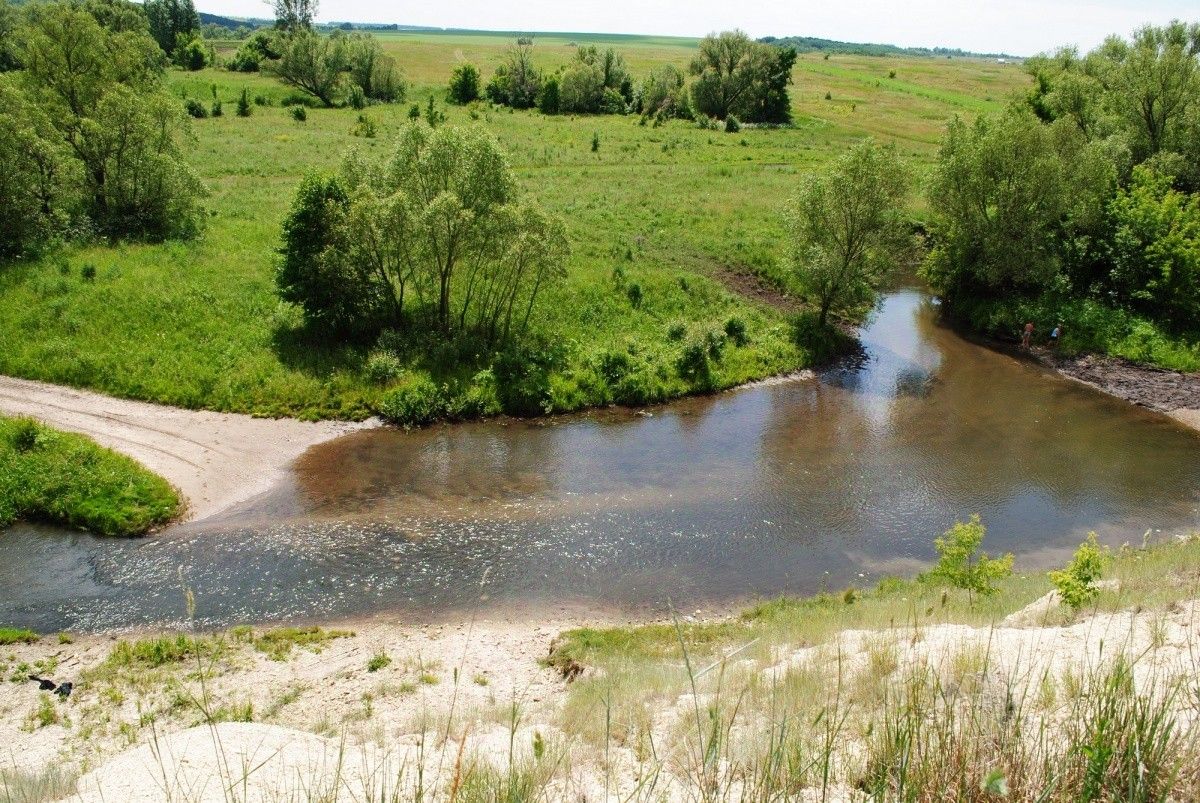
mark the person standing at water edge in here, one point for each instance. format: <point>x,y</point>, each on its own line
<point>1055,333</point>
<point>1027,337</point>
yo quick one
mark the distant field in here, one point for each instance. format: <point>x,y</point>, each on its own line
<point>679,209</point>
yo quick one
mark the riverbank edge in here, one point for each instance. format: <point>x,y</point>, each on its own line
<point>388,677</point>
<point>1174,393</point>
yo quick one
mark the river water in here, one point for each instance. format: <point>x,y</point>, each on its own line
<point>782,487</point>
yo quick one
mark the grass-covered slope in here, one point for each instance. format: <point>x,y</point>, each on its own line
<point>673,210</point>
<point>62,478</point>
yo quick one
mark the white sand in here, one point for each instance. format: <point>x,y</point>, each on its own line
<point>216,460</point>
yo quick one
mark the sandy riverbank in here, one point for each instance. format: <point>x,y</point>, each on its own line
<point>321,724</point>
<point>215,459</point>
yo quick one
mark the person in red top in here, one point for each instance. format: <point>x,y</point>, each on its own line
<point>1027,337</point>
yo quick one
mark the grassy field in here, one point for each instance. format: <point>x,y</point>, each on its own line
<point>681,212</point>
<point>66,479</point>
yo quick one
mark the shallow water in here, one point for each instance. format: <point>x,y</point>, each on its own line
<point>784,487</point>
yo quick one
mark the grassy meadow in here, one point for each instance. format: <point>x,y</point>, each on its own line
<point>680,212</point>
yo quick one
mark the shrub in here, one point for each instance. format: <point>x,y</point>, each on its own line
<point>961,564</point>
<point>677,331</point>
<point>383,367</point>
<point>693,364</point>
<point>299,114</point>
<point>706,123</point>
<point>357,98</point>
<point>243,104</point>
<point>732,125</point>
<point>464,84</point>
<point>25,434</point>
<point>1076,584</point>
<point>634,292</point>
<point>195,108</point>
<point>217,109</point>
<point>714,341</point>
<point>88,272</point>
<point>416,403</point>
<point>364,127</point>
<point>595,142</point>
<point>828,96</point>
<point>378,661</point>
<point>192,55</point>
<point>522,375</point>
<point>735,330</point>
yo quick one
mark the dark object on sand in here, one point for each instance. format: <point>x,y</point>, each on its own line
<point>43,684</point>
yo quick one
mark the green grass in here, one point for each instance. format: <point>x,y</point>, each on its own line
<point>62,478</point>
<point>679,210</point>
<point>10,635</point>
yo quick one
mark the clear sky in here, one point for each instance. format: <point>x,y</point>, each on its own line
<point>1021,27</point>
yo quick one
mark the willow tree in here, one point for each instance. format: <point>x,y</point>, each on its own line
<point>437,229</point>
<point>847,228</point>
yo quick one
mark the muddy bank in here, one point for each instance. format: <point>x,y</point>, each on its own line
<point>215,459</point>
<point>1171,392</point>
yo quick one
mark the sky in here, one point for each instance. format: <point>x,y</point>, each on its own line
<point>1020,27</point>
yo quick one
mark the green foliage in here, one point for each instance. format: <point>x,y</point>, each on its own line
<point>596,82</point>
<point>364,127</point>
<point>244,109</point>
<point>664,93</point>
<point>313,63</point>
<point>448,207</point>
<point>1076,584</point>
<point>1156,248</point>
<point>173,23</point>
<point>258,49</point>
<point>735,330</point>
<point>195,108</point>
<point>549,99</point>
<point>99,89</point>
<point>380,660</point>
<point>847,230</point>
<point>464,84</point>
<point>191,53</point>
<point>517,82</point>
<point>383,367</point>
<point>417,402</point>
<point>299,113</point>
<point>278,643</point>
<point>961,564</point>
<point>371,70</point>
<point>732,125</point>
<point>736,75</point>
<point>67,479</point>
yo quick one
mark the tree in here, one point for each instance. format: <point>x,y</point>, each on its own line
<point>373,71</point>
<point>1156,248</point>
<point>259,47</point>
<point>1010,196</point>
<point>36,176</point>
<point>8,37</point>
<point>464,84</point>
<point>171,19</point>
<point>550,98</point>
<point>435,231</point>
<point>312,63</point>
<point>961,564</point>
<point>736,75</point>
<point>516,82</point>
<point>100,91</point>
<point>846,228</point>
<point>664,92</point>
<point>295,16</point>
<point>596,81</point>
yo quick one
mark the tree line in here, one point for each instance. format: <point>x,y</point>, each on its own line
<point>732,76</point>
<point>1082,196</point>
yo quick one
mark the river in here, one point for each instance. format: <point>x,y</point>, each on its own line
<point>784,487</point>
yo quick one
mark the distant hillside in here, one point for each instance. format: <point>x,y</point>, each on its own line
<point>812,44</point>
<point>232,23</point>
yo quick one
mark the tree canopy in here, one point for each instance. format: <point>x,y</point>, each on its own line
<point>735,75</point>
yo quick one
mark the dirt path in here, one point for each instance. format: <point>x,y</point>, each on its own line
<point>215,459</point>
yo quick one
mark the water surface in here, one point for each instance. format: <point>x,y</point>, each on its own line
<point>784,487</point>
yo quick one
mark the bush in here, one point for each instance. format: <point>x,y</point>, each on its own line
<point>676,332</point>
<point>634,292</point>
<point>961,565</point>
<point>735,330</point>
<point>364,127</point>
<point>217,109</point>
<point>1076,584</point>
<point>464,85</point>
<point>243,104</point>
<point>694,366</point>
<point>357,98</point>
<point>595,142</point>
<point>714,341</point>
<point>195,108</point>
<point>417,403</point>
<point>732,125</point>
<point>192,55</point>
<point>299,114</point>
<point>522,375</point>
<point>383,367</point>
